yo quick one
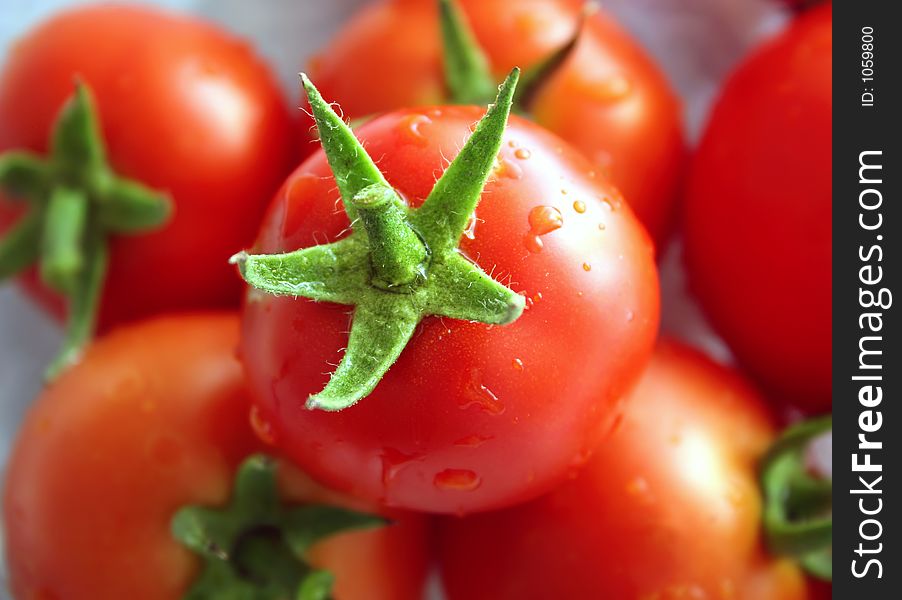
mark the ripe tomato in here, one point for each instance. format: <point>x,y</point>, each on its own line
<point>668,507</point>
<point>759,214</point>
<point>184,108</point>
<point>153,419</point>
<point>440,429</point>
<point>608,99</point>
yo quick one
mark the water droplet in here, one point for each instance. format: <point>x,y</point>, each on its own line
<point>564,192</point>
<point>262,427</point>
<point>393,461</point>
<point>579,206</point>
<point>472,441</point>
<point>533,243</point>
<point>518,364</point>
<point>411,125</point>
<point>508,169</point>
<point>483,398</point>
<point>522,153</point>
<point>462,480</point>
<point>536,297</point>
<point>607,204</point>
<point>630,316</point>
<point>587,267</point>
<point>545,219</point>
<point>601,227</point>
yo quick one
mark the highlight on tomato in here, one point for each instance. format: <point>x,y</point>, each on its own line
<point>139,150</point>
<point>485,314</point>
<point>137,475</point>
<point>585,79</point>
<point>668,507</point>
<point>758,221</point>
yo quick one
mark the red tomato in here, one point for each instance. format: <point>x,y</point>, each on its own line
<point>759,214</point>
<point>608,99</point>
<point>153,419</point>
<point>667,508</point>
<point>470,417</point>
<point>184,108</point>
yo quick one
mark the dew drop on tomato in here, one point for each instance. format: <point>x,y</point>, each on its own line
<point>263,429</point>
<point>463,480</point>
<point>579,206</point>
<point>545,219</point>
<point>522,153</point>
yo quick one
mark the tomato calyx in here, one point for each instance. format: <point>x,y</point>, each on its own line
<point>255,547</point>
<point>75,202</point>
<point>399,264</point>
<point>468,75</point>
<point>797,504</point>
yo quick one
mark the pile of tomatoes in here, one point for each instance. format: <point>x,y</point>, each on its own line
<point>444,355</point>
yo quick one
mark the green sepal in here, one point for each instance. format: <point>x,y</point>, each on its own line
<point>444,215</point>
<point>467,72</point>
<point>797,506</point>
<point>255,547</point>
<point>76,143</point>
<point>76,203</point>
<point>129,207</point>
<point>353,168</point>
<point>21,245</point>
<point>316,586</point>
<point>538,74</point>
<point>23,175</point>
<point>398,265</point>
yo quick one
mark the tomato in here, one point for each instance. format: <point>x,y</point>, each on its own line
<point>184,108</point>
<point>759,214</point>
<point>667,508</point>
<point>440,431</point>
<point>153,419</point>
<point>608,99</point>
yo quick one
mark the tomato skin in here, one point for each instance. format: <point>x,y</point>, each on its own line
<point>439,431</point>
<point>667,507</point>
<point>154,418</point>
<point>609,100</point>
<point>759,214</point>
<point>184,108</point>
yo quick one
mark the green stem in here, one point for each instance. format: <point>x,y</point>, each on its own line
<point>84,300</point>
<point>796,516</point>
<point>467,72</point>
<point>396,251</point>
<point>64,227</point>
<point>399,265</point>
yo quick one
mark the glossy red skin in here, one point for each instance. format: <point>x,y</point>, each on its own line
<point>154,418</point>
<point>609,100</point>
<point>759,214</point>
<point>580,343</point>
<point>667,508</point>
<point>184,108</point>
